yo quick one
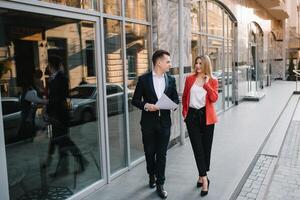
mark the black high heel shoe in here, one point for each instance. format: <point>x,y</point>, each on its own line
<point>204,193</point>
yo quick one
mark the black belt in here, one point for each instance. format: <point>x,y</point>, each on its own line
<point>195,110</point>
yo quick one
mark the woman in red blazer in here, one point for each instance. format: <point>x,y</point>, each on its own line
<point>199,95</point>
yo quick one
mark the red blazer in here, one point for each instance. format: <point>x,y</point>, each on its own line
<point>211,88</point>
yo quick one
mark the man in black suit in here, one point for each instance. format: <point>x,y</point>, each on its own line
<point>58,113</point>
<point>155,123</point>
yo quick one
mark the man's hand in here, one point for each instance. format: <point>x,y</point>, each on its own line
<point>151,107</point>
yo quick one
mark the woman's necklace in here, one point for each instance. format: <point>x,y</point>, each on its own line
<point>200,81</point>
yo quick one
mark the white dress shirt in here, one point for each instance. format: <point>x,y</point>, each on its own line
<point>197,96</point>
<point>159,84</point>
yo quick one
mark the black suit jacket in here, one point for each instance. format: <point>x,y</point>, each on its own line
<point>145,93</point>
<point>58,94</point>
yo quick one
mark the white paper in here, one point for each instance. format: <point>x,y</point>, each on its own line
<point>165,103</point>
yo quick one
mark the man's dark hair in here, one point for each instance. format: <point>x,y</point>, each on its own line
<point>55,62</point>
<point>159,54</point>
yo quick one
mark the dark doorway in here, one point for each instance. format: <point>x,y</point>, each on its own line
<point>24,57</point>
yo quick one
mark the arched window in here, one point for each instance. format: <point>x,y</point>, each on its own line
<point>213,34</point>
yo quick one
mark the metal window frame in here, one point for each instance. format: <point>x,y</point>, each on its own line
<point>123,20</point>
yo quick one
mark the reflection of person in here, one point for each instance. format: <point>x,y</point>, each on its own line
<point>156,123</point>
<point>59,116</point>
<point>38,83</point>
<point>29,101</point>
<point>200,92</point>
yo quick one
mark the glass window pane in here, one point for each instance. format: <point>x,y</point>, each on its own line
<point>46,145</point>
<point>215,19</point>
<point>137,9</point>
<point>137,40</point>
<point>86,4</point>
<point>115,94</point>
<point>215,52</point>
<point>112,7</point>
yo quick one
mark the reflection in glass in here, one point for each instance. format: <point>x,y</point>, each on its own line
<point>115,94</point>
<point>215,52</point>
<point>112,7</point>
<point>215,19</point>
<point>137,38</point>
<point>60,153</point>
<point>228,49</point>
<point>83,4</point>
<point>137,9</point>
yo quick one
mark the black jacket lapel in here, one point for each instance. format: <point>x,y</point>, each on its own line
<point>150,80</point>
<point>167,83</point>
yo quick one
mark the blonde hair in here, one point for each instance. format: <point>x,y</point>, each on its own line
<point>206,64</point>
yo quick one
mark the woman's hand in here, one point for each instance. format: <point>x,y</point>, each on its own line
<point>206,79</point>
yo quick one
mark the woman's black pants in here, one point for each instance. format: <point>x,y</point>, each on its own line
<point>201,137</point>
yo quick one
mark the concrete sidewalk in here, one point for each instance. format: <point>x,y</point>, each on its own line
<point>240,133</point>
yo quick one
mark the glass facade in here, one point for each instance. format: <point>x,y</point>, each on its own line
<point>215,38</point>
<point>75,149</point>
<point>46,151</point>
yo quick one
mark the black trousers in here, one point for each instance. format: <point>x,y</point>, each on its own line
<point>156,140</point>
<point>201,136</point>
<point>61,138</point>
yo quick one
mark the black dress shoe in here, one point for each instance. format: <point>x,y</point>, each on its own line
<point>152,180</point>
<point>199,185</point>
<point>204,193</point>
<point>162,193</point>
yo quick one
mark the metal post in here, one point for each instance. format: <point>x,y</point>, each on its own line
<point>296,82</point>
<point>297,74</point>
<point>181,71</point>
